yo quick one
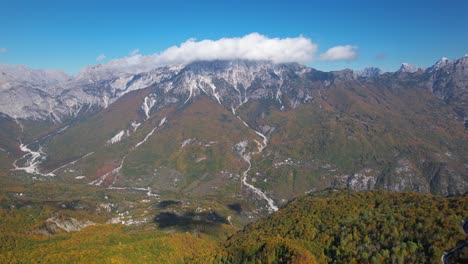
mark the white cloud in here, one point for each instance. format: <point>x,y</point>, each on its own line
<point>101,57</point>
<point>3,50</point>
<point>346,52</point>
<point>134,52</point>
<point>250,47</point>
<point>253,46</point>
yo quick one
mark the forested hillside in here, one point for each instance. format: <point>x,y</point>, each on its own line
<point>352,227</point>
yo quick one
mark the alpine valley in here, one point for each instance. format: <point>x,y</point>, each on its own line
<point>211,146</point>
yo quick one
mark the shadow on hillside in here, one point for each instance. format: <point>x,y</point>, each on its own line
<point>167,203</point>
<point>190,221</point>
<point>236,207</point>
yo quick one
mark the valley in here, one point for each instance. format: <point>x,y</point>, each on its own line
<point>233,132</point>
<point>197,152</point>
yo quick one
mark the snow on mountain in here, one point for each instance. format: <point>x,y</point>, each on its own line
<point>118,137</point>
<point>148,103</point>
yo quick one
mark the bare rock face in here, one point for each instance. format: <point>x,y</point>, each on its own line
<point>45,94</point>
<point>407,176</point>
<point>449,79</point>
<point>69,224</point>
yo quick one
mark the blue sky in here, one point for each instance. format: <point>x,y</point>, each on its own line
<point>69,35</point>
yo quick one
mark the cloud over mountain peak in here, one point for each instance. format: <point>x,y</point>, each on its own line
<point>253,46</point>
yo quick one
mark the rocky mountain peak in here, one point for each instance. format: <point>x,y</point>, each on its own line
<point>406,67</point>
<point>438,65</point>
<point>369,72</point>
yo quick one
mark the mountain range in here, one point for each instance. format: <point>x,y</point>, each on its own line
<point>52,94</point>
<point>251,132</point>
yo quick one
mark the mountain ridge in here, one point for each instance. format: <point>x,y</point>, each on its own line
<point>66,96</point>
